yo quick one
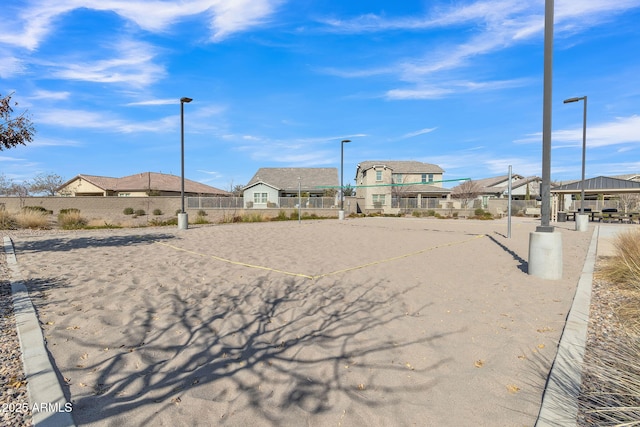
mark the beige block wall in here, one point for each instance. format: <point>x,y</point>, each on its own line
<point>110,209</point>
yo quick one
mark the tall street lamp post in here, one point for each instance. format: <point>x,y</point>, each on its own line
<point>545,245</point>
<point>584,144</point>
<point>341,213</point>
<point>183,220</point>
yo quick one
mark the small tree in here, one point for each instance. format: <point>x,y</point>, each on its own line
<point>19,190</point>
<point>348,190</point>
<point>46,184</point>
<point>5,185</point>
<point>13,131</point>
<point>466,192</point>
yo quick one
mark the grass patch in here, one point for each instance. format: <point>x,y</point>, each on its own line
<point>481,214</point>
<point>624,267</point>
<point>70,219</point>
<point>35,219</point>
<point>156,222</point>
<point>610,392</point>
<point>7,221</point>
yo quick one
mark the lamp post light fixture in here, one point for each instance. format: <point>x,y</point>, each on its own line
<point>182,217</point>
<point>584,144</point>
<point>341,213</point>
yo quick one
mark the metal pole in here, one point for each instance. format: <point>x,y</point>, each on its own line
<point>344,141</point>
<point>509,207</point>
<point>299,202</point>
<point>584,150</point>
<point>182,155</point>
<point>545,187</point>
<point>584,144</point>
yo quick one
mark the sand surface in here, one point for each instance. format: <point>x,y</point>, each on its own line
<point>371,321</point>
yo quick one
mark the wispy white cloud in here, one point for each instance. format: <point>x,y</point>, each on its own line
<point>51,95</point>
<point>79,119</point>
<point>445,88</point>
<point>10,65</point>
<point>54,142</point>
<point>166,101</point>
<point>133,65</point>
<point>27,24</point>
<point>623,130</point>
<point>418,132</point>
<point>499,24</point>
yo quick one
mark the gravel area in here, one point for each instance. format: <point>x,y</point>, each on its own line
<point>14,409</point>
<point>611,361</point>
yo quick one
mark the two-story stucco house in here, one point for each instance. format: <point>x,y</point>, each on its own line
<point>385,185</point>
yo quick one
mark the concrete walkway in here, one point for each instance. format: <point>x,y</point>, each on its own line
<point>43,388</point>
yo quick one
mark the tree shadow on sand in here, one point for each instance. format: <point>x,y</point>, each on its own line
<point>65,243</point>
<point>273,351</point>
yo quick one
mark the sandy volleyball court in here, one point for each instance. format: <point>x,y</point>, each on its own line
<point>372,321</point>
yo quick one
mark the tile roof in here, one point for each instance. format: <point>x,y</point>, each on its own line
<point>402,166</point>
<point>287,178</point>
<point>149,180</point>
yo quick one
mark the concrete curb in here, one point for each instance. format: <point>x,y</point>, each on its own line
<point>46,399</point>
<point>560,400</point>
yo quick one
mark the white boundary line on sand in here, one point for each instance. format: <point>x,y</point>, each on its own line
<point>44,390</point>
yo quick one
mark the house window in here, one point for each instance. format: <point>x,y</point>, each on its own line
<point>260,197</point>
<point>124,194</point>
<point>427,177</point>
<point>379,199</point>
<point>397,178</point>
<point>378,175</point>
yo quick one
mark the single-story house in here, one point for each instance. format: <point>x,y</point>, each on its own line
<point>138,185</point>
<point>268,185</point>
<point>383,184</point>
<point>497,187</point>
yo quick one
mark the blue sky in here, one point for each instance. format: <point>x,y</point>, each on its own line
<point>280,83</point>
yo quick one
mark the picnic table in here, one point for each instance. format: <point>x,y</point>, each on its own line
<point>571,215</point>
<point>628,217</point>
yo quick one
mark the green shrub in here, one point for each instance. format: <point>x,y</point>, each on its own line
<point>70,219</point>
<point>431,212</point>
<point>282,216</point>
<point>69,211</point>
<point>160,222</point>
<point>157,212</point>
<point>253,217</point>
<point>37,209</point>
<point>202,213</point>
<point>139,212</point>
<point>128,211</point>
<point>200,219</point>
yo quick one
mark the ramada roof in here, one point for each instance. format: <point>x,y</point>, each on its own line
<point>603,184</point>
<point>149,180</point>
